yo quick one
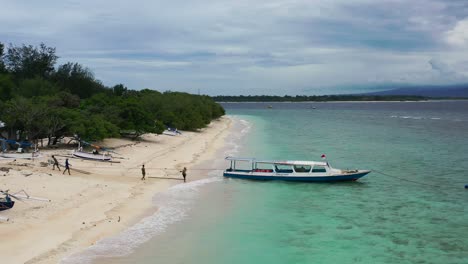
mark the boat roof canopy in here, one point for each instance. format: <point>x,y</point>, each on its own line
<point>281,162</point>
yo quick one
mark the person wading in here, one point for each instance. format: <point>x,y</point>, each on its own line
<point>55,163</point>
<point>67,167</point>
<point>184,173</point>
<point>143,172</point>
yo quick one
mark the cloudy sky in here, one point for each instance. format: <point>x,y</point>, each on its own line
<point>251,47</point>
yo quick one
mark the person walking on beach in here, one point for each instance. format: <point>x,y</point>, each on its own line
<point>143,172</point>
<point>67,167</point>
<point>55,163</point>
<point>184,173</point>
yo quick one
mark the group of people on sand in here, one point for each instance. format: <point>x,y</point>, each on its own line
<point>143,170</point>
<point>56,163</point>
<point>143,173</point>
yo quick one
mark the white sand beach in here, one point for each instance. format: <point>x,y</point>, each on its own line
<point>110,197</point>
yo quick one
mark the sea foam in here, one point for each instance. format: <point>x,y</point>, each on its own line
<point>415,117</point>
<point>243,127</point>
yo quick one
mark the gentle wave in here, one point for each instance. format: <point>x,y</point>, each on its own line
<point>415,117</point>
<point>247,127</point>
<point>173,206</point>
<point>232,142</point>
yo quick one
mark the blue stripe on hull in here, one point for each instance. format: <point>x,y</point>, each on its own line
<point>352,177</point>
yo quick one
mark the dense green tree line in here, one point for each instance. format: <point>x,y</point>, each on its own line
<point>316,98</point>
<point>41,100</point>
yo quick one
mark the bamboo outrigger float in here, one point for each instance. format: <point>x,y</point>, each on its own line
<point>92,156</point>
<point>7,201</point>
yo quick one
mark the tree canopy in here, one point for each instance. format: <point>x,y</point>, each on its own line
<point>42,100</point>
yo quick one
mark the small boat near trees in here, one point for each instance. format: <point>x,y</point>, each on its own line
<point>92,156</point>
<point>20,151</point>
<point>32,155</point>
<point>95,155</point>
<point>306,171</point>
<point>171,131</point>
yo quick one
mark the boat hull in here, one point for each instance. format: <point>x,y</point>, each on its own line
<point>90,156</point>
<point>308,178</point>
<point>6,205</point>
<point>20,156</point>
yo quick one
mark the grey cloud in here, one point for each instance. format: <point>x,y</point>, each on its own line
<point>447,72</point>
<point>251,46</point>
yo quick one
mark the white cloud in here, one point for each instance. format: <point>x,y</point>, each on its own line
<point>458,36</point>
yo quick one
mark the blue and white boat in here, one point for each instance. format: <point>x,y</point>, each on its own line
<point>286,170</point>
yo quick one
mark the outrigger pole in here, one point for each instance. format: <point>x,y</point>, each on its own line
<point>26,196</point>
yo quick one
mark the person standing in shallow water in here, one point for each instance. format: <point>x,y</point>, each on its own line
<point>67,167</point>
<point>55,163</point>
<point>184,173</point>
<point>143,172</point>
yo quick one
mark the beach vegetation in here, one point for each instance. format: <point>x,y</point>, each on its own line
<point>42,100</point>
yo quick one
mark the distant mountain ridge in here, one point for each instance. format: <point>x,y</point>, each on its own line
<point>444,91</point>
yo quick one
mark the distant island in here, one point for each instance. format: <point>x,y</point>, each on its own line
<point>317,98</point>
<point>409,93</point>
<point>433,91</point>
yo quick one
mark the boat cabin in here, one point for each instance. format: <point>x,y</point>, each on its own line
<point>269,166</point>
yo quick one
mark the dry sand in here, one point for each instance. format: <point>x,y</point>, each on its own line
<point>87,207</point>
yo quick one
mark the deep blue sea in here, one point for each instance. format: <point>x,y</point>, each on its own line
<point>413,207</point>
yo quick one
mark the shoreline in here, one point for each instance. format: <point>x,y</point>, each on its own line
<point>386,101</point>
<point>86,208</point>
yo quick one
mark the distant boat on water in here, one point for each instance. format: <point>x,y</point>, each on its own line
<point>270,106</point>
<point>307,171</point>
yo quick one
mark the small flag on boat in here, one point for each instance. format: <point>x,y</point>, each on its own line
<point>323,156</point>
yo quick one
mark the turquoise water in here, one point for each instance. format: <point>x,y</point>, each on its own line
<point>412,209</point>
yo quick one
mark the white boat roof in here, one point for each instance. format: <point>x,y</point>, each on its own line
<point>283,162</point>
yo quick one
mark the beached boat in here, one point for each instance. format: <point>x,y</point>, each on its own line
<point>92,156</point>
<point>171,131</point>
<point>6,202</point>
<point>32,155</point>
<point>308,171</point>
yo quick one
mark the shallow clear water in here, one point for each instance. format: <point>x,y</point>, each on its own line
<point>411,209</point>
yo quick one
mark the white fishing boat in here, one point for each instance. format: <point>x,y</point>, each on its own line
<point>172,132</point>
<point>32,155</point>
<point>307,171</point>
<point>169,133</point>
<point>92,156</point>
